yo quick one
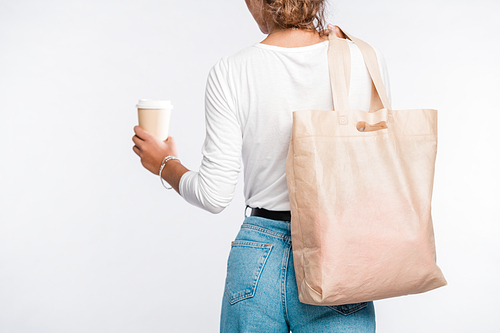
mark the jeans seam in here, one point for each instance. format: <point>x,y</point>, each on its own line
<point>266,231</point>
<point>284,272</point>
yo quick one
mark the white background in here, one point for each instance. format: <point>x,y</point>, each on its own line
<point>91,242</point>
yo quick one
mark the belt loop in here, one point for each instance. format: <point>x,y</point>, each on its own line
<point>246,211</point>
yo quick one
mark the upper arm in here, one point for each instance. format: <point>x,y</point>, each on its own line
<point>384,73</point>
<point>212,187</point>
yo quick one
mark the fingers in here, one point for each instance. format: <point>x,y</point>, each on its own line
<point>137,140</point>
<point>337,30</point>
<point>149,148</point>
<point>142,134</point>
<point>329,28</point>
<point>339,33</point>
<point>136,150</point>
<point>137,144</point>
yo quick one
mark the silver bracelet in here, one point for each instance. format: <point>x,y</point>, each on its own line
<point>165,160</point>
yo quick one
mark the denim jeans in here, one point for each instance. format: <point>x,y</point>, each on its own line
<point>261,292</point>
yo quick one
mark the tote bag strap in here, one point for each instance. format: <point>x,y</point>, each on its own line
<point>371,62</point>
<point>338,66</point>
<point>337,69</point>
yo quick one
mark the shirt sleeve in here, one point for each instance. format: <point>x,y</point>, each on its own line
<point>384,73</point>
<point>212,187</point>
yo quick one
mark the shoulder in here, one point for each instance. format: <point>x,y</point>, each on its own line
<point>230,68</point>
<point>237,59</point>
<point>378,53</point>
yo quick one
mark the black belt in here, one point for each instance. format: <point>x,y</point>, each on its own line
<point>282,215</point>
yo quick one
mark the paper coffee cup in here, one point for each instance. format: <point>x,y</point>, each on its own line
<point>154,117</point>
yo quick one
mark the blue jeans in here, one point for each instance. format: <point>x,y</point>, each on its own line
<point>261,292</point>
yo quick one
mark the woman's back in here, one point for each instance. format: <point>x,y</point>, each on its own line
<point>250,98</point>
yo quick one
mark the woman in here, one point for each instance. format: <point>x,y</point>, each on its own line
<point>250,97</point>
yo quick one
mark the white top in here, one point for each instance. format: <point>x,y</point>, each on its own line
<point>250,97</point>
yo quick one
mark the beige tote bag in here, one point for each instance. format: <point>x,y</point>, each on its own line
<point>360,186</point>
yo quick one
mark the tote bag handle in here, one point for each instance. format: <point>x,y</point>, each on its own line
<point>339,67</point>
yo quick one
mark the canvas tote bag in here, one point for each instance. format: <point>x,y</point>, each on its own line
<point>360,186</point>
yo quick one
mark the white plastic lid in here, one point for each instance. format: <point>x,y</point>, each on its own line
<point>154,104</point>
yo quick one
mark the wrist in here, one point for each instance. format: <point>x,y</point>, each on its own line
<point>163,166</point>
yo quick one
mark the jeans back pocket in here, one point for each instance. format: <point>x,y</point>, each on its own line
<point>347,309</point>
<point>244,266</point>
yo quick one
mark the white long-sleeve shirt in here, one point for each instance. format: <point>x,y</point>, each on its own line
<point>250,97</point>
